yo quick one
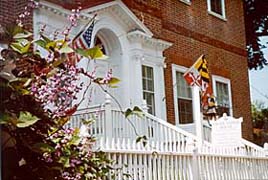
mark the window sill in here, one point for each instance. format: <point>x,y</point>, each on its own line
<point>186,2</point>
<point>221,17</point>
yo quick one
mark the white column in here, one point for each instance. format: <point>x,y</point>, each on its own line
<point>197,114</point>
<point>136,79</point>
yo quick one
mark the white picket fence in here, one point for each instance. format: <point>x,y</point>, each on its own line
<point>170,152</point>
<point>187,166</point>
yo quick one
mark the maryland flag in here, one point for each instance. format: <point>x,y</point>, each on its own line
<point>198,74</point>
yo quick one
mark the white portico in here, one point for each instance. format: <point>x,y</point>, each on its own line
<point>131,49</point>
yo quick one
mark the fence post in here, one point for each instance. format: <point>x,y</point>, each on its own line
<point>265,146</point>
<point>195,165</point>
<point>108,117</point>
<point>197,115</point>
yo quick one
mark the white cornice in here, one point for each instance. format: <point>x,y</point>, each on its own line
<point>56,9</point>
<point>138,36</point>
<point>121,10</point>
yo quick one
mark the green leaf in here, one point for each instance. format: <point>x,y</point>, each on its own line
<point>26,119</point>
<point>142,139</point>
<point>18,84</point>
<point>113,81</point>
<point>96,53</point>
<point>75,140</point>
<point>65,161</point>
<point>127,175</point>
<point>24,34</point>
<point>26,48</point>
<point>139,139</point>
<point>57,63</point>
<point>46,39</point>
<point>81,52</point>
<point>23,42</point>
<point>27,83</point>
<point>17,29</point>
<point>128,112</point>
<point>87,121</point>
<point>16,47</point>
<point>4,118</point>
<point>41,43</point>
<point>92,53</point>
<point>136,111</point>
<point>22,46</point>
<point>43,147</point>
<point>51,45</point>
<point>66,49</point>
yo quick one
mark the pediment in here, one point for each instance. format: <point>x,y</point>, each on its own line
<point>123,13</point>
<point>116,9</point>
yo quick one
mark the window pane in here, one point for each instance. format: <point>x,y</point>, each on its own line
<point>148,88</point>
<point>183,89</point>
<point>149,97</point>
<point>150,85</point>
<point>222,98</point>
<point>184,96</point>
<point>216,6</point>
<point>185,111</point>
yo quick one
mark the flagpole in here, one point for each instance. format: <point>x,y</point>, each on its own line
<point>197,114</point>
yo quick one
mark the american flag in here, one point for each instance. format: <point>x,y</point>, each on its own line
<point>81,41</point>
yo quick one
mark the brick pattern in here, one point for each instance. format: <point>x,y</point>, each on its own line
<point>73,4</point>
<point>10,10</point>
<point>193,31</point>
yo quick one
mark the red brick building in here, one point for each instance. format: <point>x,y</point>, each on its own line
<point>194,27</point>
<point>194,30</point>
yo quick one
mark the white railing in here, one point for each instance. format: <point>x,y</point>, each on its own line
<point>95,114</point>
<point>170,152</point>
<point>119,132</point>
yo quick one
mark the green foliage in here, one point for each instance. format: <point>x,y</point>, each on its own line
<point>21,46</point>
<point>135,111</point>
<point>50,150</point>
<point>92,53</point>
<point>26,119</point>
<point>258,111</point>
<point>256,23</point>
<point>259,115</point>
<point>142,139</point>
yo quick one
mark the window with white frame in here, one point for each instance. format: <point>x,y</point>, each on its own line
<point>222,91</point>
<point>148,88</point>
<point>183,99</point>
<point>216,7</point>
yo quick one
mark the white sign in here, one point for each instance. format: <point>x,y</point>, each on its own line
<point>226,132</point>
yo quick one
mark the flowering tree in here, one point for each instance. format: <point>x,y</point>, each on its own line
<point>37,95</point>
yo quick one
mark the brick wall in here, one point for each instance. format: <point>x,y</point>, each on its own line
<point>10,10</point>
<point>194,32</point>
